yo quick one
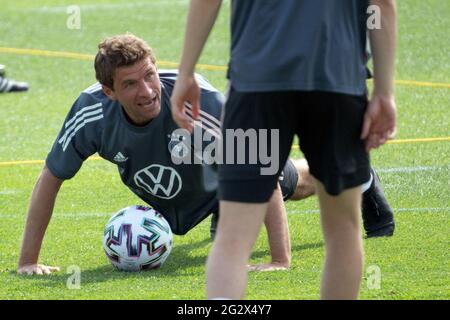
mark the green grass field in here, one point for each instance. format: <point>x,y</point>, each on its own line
<point>414,264</point>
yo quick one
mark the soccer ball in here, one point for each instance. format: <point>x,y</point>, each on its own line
<point>137,238</point>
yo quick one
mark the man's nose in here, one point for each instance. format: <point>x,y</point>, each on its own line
<point>145,88</point>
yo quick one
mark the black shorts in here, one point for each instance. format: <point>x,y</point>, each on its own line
<point>328,125</point>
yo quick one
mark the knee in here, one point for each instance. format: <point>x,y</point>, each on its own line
<point>305,183</point>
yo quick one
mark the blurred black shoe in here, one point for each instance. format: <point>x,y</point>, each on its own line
<point>10,85</point>
<point>213,228</point>
<point>378,217</point>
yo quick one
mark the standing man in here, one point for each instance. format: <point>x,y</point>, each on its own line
<point>299,67</point>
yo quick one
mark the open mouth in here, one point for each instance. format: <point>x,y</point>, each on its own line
<point>149,104</point>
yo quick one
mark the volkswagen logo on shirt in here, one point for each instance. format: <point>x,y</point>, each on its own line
<point>160,181</point>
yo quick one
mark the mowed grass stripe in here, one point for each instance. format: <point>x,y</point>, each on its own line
<point>396,210</point>
<point>294,146</point>
<point>57,215</point>
<point>25,162</point>
<point>90,57</point>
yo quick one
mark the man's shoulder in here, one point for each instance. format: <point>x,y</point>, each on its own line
<point>169,76</point>
<point>91,98</point>
<point>94,93</point>
<point>91,107</point>
<point>211,99</point>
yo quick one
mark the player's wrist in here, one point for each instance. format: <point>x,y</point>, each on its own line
<point>383,92</point>
<point>185,72</point>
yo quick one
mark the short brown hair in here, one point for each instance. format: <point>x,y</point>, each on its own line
<point>119,51</point>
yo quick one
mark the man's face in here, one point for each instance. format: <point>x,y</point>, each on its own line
<point>138,90</point>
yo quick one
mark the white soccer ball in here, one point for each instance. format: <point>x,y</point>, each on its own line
<point>137,238</point>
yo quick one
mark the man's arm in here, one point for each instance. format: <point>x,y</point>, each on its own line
<point>278,234</point>
<point>380,119</point>
<point>39,214</point>
<point>201,18</point>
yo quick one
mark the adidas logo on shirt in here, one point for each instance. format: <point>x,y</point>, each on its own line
<point>120,157</point>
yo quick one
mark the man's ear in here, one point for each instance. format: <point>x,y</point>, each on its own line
<point>109,92</point>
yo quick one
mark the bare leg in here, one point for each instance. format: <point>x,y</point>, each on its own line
<point>237,230</point>
<point>377,214</point>
<point>278,235</point>
<point>340,216</point>
<point>305,183</point>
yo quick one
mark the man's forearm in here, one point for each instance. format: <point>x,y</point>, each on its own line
<point>39,214</point>
<point>383,44</point>
<point>201,18</point>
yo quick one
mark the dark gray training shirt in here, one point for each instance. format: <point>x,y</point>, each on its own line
<point>184,194</point>
<point>306,45</point>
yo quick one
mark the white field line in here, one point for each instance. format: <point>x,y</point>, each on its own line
<point>7,192</point>
<point>73,215</point>
<point>396,210</point>
<point>412,169</point>
<point>111,6</point>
